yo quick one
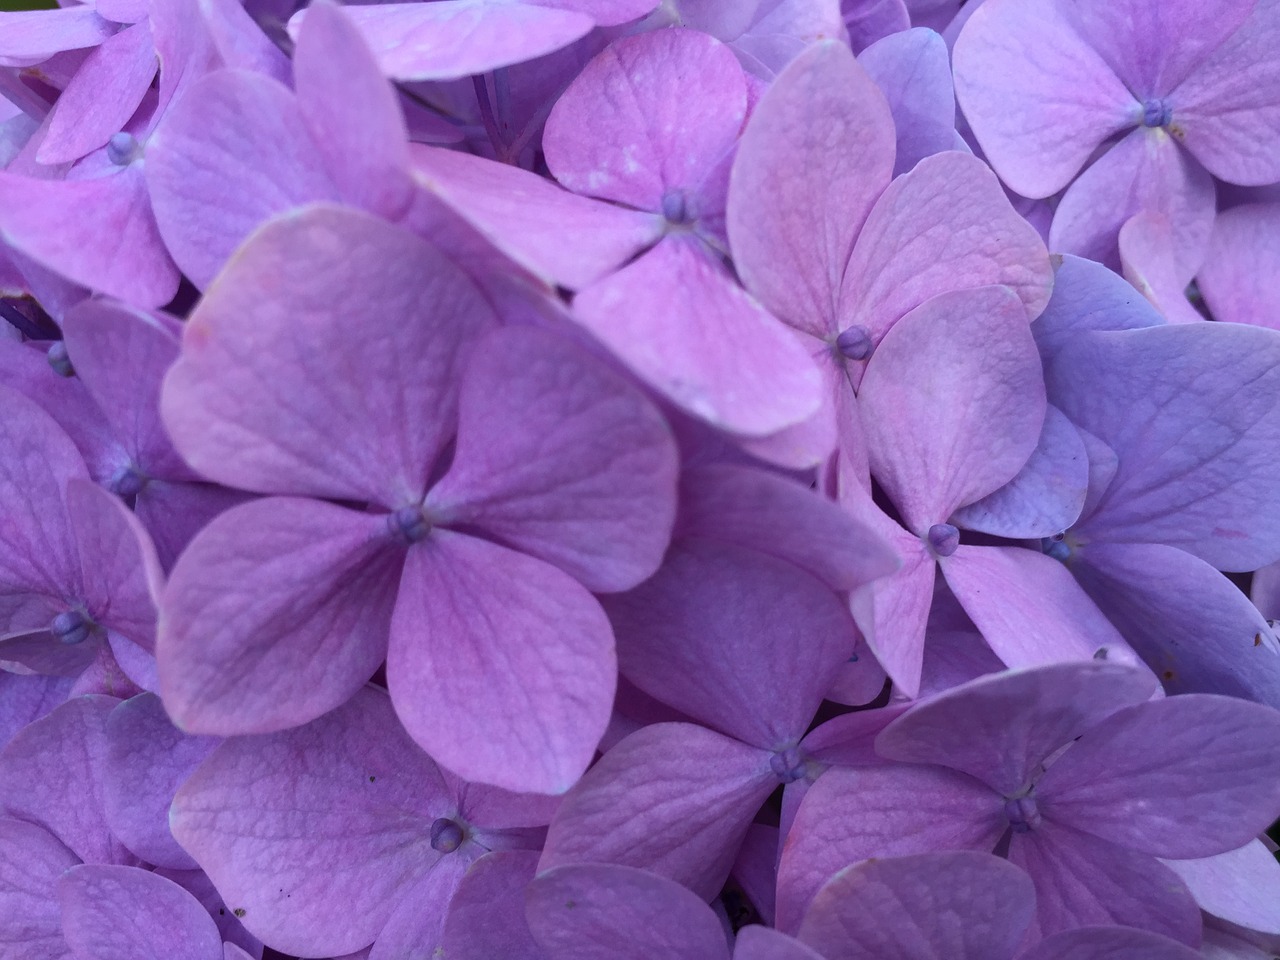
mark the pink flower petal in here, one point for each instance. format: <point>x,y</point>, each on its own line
<point>501,666</point>
<point>680,323</point>
<point>817,152</point>
<point>277,612</point>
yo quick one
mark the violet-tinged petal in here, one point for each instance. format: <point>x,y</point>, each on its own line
<point>778,31</point>
<point>611,912</point>
<point>1182,778</point>
<point>1047,494</point>
<point>1029,609</point>
<point>314,832</point>
<point>1144,171</point>
<point>277,612</point>
<point>1238,886</point>
<point>626,129</point>
<point>1228,111</point>
<point>128,913</point>
<point>672,798</point>
<point>948,906</point>
<point>1000,728</point>
<point>352,113</point>
<point>232,153</point>
<point>1082,881</point>
<point>1039,97</point>
<point>1153,50</point>
<point>174,513</point>
<point>116,250</point>
<point>121,355</point>
<point>900,609</point>
<point>36,461</point>
<point>671,315</point>
<point>562,458</point>
<point>1087,296</point>
<point>1240,278</point>
<point>261,402</point>
<point>147,759</point>
<point>605,13</point>
<point>854,815</point>
<point>122,11</point>
<point>934,392</point>
<point>760,510</point>
<point>869,21</point>
<point>41,652</point>
<point>31,861</point>
<point>561,237</point>
<point>487,914</point>
<point>416,925</point>
<point>1191,412</point>
<point>913,69</point>
<point>945,226</point>
<point>34,35</point>
<point>1109,943</point>
<point>458,38</point>
<point>240,38</point>
<point>51,774</point>
<point>755,942</point>
<point>1153,260</point>
<point>101,97</point>
<point>720,630</point>
<point>817,152</point>
<point>1191,625</point>
<point>754,870</point>
<point>122,578</point>
<point>28,370</point>
<point>25,699</point>
<point>501,666</point>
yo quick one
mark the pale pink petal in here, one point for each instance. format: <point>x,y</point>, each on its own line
<point>952,403</point>
<point>261,402</point>
<point>352,113</point>
<point>684,327</point>
<point>101,97</point>
<point>817,152</point>
<point>1039,97</point>
<point>277,612</point>
<point>232,153</point>
<point>626,129</point>
<point>456,38</point>
<point>1145,171</point>
<point>116,249</point>
<point>1151,257</point>
<point>945,226</point>
<point>561,237</point>
<point>1240,278</point>
<point>1227,113</point>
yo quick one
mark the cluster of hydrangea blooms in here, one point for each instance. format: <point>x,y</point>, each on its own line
<point>619,480</point>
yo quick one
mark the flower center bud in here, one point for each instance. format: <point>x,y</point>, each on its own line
<point>1022,813</point>
<point>446,835</point>
<point>411,523</point>
<point>674,207</point>
<point>1056,547</point>
<point>855,343</point>
<point>71,627</point>
<point>59,360</point>
<point>123,149</point>
<point>127,482</point>
<point>943,539</point>
<point>788,765</point>
<point>1156,113</point>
